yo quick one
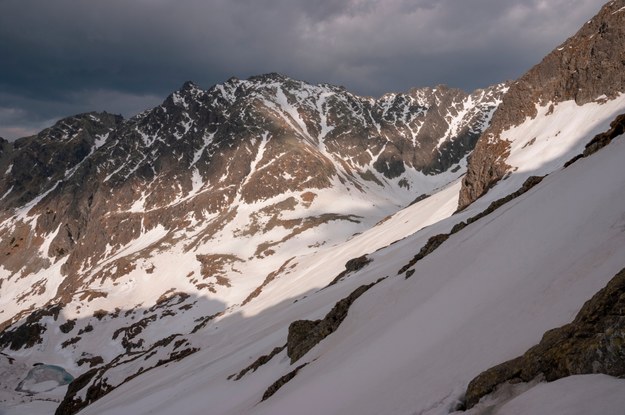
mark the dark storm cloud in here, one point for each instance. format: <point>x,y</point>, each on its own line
<point>66,56</point>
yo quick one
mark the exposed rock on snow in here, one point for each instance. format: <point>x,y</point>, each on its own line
<point>617,128</point>
<point>258,363</point>
<point>30,331</point>
<point>99,381</point>
<point>354,264</point>
<point>437,240</point>
<point>573,395</point>
<point>305,334</point>
<point>593,343</point>
<point>271,390</point>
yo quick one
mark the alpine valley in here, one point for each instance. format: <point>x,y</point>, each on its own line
<point>268,246</point>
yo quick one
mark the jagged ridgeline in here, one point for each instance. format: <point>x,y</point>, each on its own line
<point>79,191</point>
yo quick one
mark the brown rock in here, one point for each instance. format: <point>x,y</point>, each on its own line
<point>306,334</point>
<point>593,343</point>
<point>589,64</point>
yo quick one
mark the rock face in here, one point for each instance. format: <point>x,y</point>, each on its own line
<point>587,66</point>
<point>30,331</point>
<point>31,164</point>
<point>271,390</point>
<point>593,343</point>
<point>306,334</point>
<point>96,382</point>
<point>617,128</point>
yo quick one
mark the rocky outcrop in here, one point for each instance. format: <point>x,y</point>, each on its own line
<point>617,128</point>
<point>33,164</point>
<point>257,363</point>
<point>96,382</point>
<point>270,277</point>
<point>588,65</point>
<point>593,343</point>
<point>306,334</point>
<point>353,265</point>
<point>487,165</point>
<point>271,390</point>
<point>30,332</point>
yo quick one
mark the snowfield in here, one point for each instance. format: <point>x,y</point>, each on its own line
<point>410,346</point>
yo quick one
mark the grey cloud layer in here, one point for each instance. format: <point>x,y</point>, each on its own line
<point>80,53</point>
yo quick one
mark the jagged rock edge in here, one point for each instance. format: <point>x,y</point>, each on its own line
<point>556,356</point>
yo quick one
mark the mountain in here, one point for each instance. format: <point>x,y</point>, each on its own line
<point>587,69</point>
<point>269,247</point>
<point>190,210</point>
<point>223,163</point>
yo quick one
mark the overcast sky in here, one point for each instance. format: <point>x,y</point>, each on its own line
<point>61,57</point>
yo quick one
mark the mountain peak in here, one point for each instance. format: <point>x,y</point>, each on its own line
<point>271,76</point>
<point>223,224</point>
<point>189,86</point>
<point>183,97</point>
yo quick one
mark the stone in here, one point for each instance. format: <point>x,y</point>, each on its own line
<point>593,343</point>
<point>588,65</point>
<point>306,334</point>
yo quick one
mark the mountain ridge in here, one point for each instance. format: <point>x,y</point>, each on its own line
<point>269,143</point>
<point>176,252</point>
<point>587,67</point>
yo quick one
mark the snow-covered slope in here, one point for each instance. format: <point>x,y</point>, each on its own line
<point>226,184</point>
<point>574,395</point>
<point>411,345</point>
<point>268,246</point>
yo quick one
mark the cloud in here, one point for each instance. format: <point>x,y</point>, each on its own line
<point>66,51</point>
<point>24,116</point>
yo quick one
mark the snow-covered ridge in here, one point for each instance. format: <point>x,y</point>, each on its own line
<point>558,133</point>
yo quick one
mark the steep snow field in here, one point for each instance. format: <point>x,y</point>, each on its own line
<point>574,395</point>
<point>408,346</point>
<point>302,238</point>
<point>250,336</point>
<point>411,346</point>
<point>559,131</point>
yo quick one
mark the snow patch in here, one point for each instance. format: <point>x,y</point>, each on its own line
<point>139,204</point>
<point>207,140</point>
<point>619,10</point>
<point>6,193</point>
<point>45,246</point>
<point>100,140</point>
<point>573,395</point>
<point>558,132</point>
